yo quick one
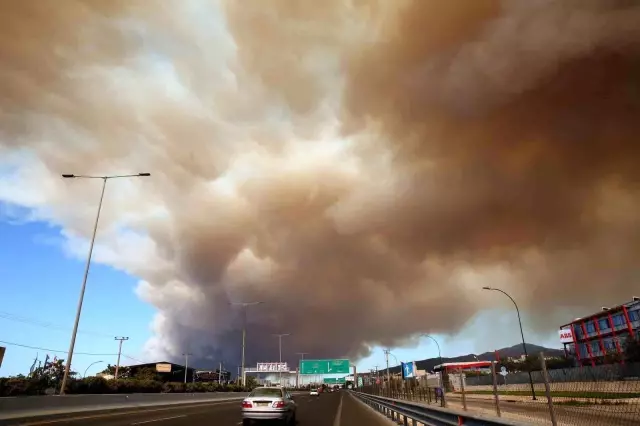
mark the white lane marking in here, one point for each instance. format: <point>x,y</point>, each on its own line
<point>125,412</point>
<point>336,421</point>
<point>159,420</point>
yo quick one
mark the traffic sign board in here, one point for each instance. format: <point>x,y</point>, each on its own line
<point>324,366</point>
<point>407,370</point>
<point>335,381</point>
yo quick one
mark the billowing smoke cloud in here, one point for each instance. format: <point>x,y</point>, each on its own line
<point>361,167</point>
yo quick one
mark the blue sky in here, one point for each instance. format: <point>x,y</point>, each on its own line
<point>40,286</point>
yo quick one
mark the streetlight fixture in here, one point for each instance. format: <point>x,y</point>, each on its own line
<point>87,369</point>
<point>67,367</point>
<point>524,345</point>
<point>244,331</point>
<point>280,336</point>
<point>441,381</point>
<point>437,344</point>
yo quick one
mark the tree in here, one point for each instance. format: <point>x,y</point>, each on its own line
<point>251,382</point>
<point>559,363</point>
<point>123,372</point>
<point>51,375</point>
<point>146,373</point>
<point>632,349</point>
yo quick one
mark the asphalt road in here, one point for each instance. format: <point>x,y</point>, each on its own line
<point>330,409</point>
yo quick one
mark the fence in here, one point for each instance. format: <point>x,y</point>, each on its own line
<point>607,396</point>
<point>616,372</point>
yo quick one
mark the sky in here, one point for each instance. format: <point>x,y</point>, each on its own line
<point>40,289</point>
<point>360,176</point>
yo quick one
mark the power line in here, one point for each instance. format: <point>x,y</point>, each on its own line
<point>51,350</point>
<point>32,321</point>
<point>134,359</point>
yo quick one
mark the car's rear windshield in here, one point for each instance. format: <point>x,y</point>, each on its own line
<point>266,392</point>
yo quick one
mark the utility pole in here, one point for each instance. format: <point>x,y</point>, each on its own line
<point>186,365</point>
<point>83,288</point>
<point>244,331</point>
<point>220,374</point>
<point>280,336</point>
<point>121,339</point>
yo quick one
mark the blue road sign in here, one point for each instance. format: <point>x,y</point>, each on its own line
<point>407,370</point>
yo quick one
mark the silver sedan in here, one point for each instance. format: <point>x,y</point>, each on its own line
<point>269,403</point>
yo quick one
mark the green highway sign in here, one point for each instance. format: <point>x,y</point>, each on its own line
<point>335,381</point>
<point>324,366</point>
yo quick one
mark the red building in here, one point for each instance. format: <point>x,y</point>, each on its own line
<point>590,338</point>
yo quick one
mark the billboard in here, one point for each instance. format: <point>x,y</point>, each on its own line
<point>163,368</point>
<point>272,366</point>
<point>566,335</point>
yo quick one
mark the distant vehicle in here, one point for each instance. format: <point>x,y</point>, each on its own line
<point>314,392</point>
<point>269,403</point>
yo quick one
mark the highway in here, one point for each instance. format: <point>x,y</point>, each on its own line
<point>329,409</point>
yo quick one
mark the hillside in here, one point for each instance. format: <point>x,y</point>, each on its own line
<point>512,351</point>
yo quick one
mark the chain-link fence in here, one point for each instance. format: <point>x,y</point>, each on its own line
<point>605,395</point>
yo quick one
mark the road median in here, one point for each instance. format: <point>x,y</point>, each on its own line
<point>47,406</point>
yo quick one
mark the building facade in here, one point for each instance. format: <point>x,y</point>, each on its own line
<point>590,339</point>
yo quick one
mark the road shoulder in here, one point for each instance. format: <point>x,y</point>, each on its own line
<point>357,413</point>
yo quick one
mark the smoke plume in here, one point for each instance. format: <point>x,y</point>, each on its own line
<point>361,167</point>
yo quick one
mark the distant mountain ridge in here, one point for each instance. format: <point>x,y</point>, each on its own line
<point>514,351</point>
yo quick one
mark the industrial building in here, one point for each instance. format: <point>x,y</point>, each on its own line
<point>589,339</point>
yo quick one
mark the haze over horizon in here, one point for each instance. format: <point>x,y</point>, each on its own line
<point>362,176</point>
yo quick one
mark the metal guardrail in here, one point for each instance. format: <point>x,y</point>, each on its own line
<point>407,413</point>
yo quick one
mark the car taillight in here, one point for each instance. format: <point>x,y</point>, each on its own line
<point>246,404</point>
<point>278,404</point>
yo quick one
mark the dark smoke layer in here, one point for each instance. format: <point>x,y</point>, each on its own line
<point>362,167</point>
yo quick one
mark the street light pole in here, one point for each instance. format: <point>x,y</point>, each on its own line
<point>437,344</point>
<point>87,369</point>
<point>386,353</point>
<point>439,358</point>
<point>280,336</point>
<point>524,344</point>
<point>302,354</point>
<point>186,365</point>
<point>244,331</point>
<point>67,367</point>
